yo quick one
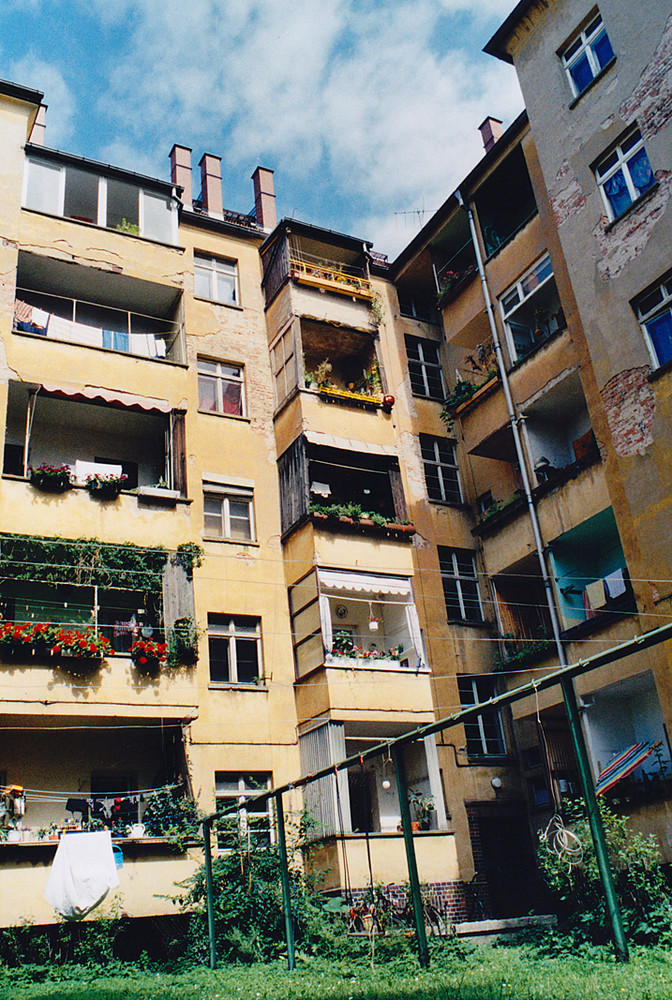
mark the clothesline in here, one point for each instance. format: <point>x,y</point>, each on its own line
<point>58,795</point>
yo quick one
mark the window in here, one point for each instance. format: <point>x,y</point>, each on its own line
<point>85,196</point>
<point>587,55</point>
<point>283,360</point>
<point>624,174</point>
<point>654,312</point>
<point>220,388</point>
<point>216,279</point>
<point>441,475</point>
<point>234,647</point>
<point>460,584</point>
<point>484,735</point>
<point>424,368</point>
<point>531,309</point>
<point>253,823</point>
<point>415,306</point>
<point>227,512</point>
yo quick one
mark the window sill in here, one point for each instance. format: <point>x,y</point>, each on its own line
<point>230,541</point>
<point>234,686</point>
<point>429,399</point>
<point>452,504</point>
<point>589,86</point>
<point>228,416</point>
<point>469,622</point>
<point>216,302</point>
<point>166,497</point>
<point>104,350</point>
<point>105,229</point>
<point>659,372</point>
<point>632,207</point>
<point>490,760</point>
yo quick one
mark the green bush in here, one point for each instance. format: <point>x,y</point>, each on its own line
<point>644,896</point>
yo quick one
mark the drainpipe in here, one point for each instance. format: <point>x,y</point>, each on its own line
<point>567,684</point>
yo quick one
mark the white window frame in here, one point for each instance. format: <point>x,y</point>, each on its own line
<point>230,631</point>
<point>285,364</point>
<point>241,795</point>
<point>223,373</point>
<point>484,752</point>
<point>440,466</point>
<point>424,364</point>
<point>458,577</point>
<point>664,305</point>
<point>586,38</point>
<point>212,266</point>
<point>524,292</point>
<point>623,157</point>
<point>224,493</point>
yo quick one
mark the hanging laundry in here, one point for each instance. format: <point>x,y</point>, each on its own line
<point>80,806</point>
<point>82,873</point>
<point>596,595</point>
<point>615,583</point>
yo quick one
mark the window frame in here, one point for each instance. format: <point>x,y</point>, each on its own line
<point>241,796</point>
<point>230,630</point>
<point>422,365</point>
<point>220,377</point>
<point>458,577</point>
<point>212,265</point>
<point>586,37</point>
<point>226,493</point>
<point>473,681</point>
<point>623,158</point>
<point>441,468</point>
<point>523,297</point>
<point>657,311</point>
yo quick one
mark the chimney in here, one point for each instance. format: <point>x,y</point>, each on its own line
<point>180,171</point>
<point>39,125</point>
<point>264,198</point>
<point>491,130</point>
<point>211,185</point>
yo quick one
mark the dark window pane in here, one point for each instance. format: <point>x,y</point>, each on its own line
<point>660,332</point>
<point>581,73</point>
<point>451,596</point>
<point>434,485</point>
<point>602,49</point>
<point>218,647</point>
<point>247,660</point>
<point>472,608</point>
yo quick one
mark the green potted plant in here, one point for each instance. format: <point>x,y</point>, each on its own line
<point>182,643</point>
<point>423,807</point>
<point>105,487</point>
<point>50,478</point>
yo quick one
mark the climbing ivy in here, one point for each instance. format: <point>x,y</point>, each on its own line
<point>83,561</point>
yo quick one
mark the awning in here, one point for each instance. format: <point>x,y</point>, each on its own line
<point>91,393</point>
<point>348,444</point>
<point>368,583</point>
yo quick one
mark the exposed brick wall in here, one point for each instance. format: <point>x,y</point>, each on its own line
<point>448,897</point>
<point>570,199</point>
<point>651,101</point>
<point>629,403</point>
<point>621,242</point>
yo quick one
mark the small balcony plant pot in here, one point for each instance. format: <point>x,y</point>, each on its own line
<point>50,478</point>
<point>105,487</point>
<point>148,656</point>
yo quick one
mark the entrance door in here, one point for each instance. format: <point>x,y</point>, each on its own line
<point>508,863</point>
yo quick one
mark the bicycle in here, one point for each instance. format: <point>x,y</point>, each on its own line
<point>401,917</point>
<point>475,894</point>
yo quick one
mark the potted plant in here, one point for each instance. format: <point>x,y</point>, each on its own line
<point>50,478</point>
<point>105,487</point>
<point>182,643</point>
<point>79,650</point>
<point>423,807</point>
<point>148,656</point>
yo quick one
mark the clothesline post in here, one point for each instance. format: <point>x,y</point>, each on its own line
<point>207,850</point>
<point>284,879</point>
<point>413,879</point>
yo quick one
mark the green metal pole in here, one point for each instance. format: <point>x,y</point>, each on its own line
<point>414,881</point>
<point>207,847</point>
<point>284,879</point>
<point>595,820</point>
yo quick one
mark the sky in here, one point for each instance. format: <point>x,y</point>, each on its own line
<point>367,110</point>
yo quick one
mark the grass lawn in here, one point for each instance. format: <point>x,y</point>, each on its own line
<point>484,974</point>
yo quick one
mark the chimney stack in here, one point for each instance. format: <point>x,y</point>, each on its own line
<point>180,172</point>
<point>491,130</point>
<point>211,185</point>
<point>39,125</point>
<point>264,198</point>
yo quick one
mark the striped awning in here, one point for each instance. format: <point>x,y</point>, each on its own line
<point>623,765</point>
<point>368,583</point>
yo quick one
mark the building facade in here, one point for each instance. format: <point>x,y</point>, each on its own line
<point>351,495</point>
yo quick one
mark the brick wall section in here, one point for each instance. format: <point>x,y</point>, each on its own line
<point>569,199</point>
<point>651,101</point>
<point>622,241</point>
<point>448,897</point>
<point>629,403</point>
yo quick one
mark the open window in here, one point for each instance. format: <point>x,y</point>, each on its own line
<point>522,613</point>
<point>355,620</point>
<point>592,581</point>
<point>531,310</point>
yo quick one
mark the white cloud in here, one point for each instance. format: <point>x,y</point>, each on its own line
<point>33,71</point>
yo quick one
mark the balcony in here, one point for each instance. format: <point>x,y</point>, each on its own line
<point>76,305</point>
<point>92,430</point>
<point>94,193</point>
<point>330,276</point>
<point>505,202</point>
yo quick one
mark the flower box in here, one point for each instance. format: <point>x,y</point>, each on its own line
<point>158,495</point>
<point>148,656</point>
<point>50,478</point>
